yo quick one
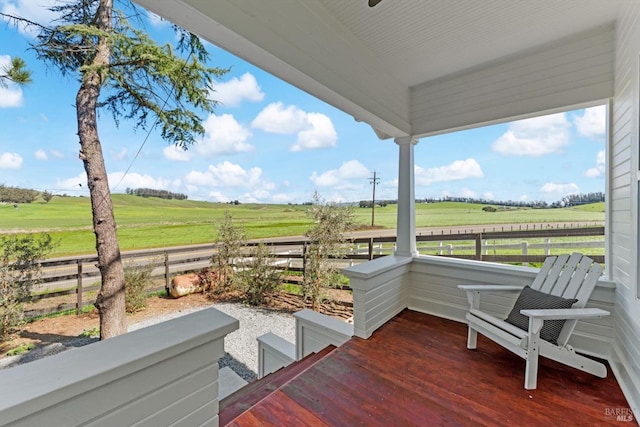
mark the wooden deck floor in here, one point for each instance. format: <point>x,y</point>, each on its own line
<point>416,370</point>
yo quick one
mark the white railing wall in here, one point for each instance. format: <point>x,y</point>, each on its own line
<point>163,374</point>
<point>428,284</point>
<point>274,352</point>
<point>315,331</point>
<point>379,292</point>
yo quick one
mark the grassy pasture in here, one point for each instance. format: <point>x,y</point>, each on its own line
<point>153,222</point>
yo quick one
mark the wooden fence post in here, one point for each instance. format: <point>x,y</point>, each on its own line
<point>79,289</point>
<point>479,246</point>
<point>370,248</point>
<point>166,271</point>
<point>304,260</point>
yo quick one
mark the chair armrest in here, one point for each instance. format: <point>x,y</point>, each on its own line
<point>490,288</point>
<point>564,313</point>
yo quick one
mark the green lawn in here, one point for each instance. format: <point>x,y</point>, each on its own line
<point>153,222</point>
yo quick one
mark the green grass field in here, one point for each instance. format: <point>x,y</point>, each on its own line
<point>152,223</point>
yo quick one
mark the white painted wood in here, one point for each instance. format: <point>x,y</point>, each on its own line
<point>432,288</point>
<point>274,352</point>
<point>533,353</point>
<point>315,331</point>
<point>565,313</point>
<point>490,288</point>
<point>365,61</point>
<point>406,222</point>
<point>165,372</point>
<point>560,275</point>
<point>573,71</point>
<point>624,162</point>
<point>379,292</point>
<point>229,382</point>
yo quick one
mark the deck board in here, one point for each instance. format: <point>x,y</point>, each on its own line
<point>416,370</point>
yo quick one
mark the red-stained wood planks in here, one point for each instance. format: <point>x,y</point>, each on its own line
<point>416,370</point>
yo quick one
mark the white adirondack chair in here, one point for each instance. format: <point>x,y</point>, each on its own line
<point>566,276</point>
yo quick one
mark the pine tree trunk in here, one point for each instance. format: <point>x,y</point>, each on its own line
<point>111,298</point>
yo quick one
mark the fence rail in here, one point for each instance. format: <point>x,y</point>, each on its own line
<point>65,276</point>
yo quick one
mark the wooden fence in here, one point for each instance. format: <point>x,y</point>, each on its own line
<point>67,276</point>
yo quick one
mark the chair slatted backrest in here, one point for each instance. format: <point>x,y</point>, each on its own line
<point>573,276</point>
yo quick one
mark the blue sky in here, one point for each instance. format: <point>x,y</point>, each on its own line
<point>269,142</point>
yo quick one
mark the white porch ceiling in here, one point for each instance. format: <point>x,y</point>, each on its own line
<point>365,60</point>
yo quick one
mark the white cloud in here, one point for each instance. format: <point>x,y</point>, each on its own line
<point>277,119</point>
<point>458,170</point>
<point>465,192</point>
<point>314,130</point>
<point>217,196</point>
<point>173,152</point>
<point>11,95</point>
<point>121,154</point>
<point>489,196</point>
<point>223,135</point>
<point>352,169</point>
<point>282,198</point>
<point>41,155</point>
<point>600,167</point>
<point>227,174</point>
<point>593,123</point>
<point>57,154</point>
<point>535,137</point>
<point>119,179</point>
<point>35,11</point>
<point>136,180</point>
<point>321,135</point>
<point>560,189</point>
<point>232,92</point>
<point>74,184</point>
<point>10,161</point>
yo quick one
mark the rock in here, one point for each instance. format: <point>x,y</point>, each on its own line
<point>185,284</point>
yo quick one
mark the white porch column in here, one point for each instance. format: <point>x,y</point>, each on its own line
<point>406,230</point>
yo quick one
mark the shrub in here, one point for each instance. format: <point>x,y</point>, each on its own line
<point>326,245</point>
<point>137,279</point>
<point>259,277</point>
<point>489,209</point>
<point>19,271</point>
<point>231,241</point>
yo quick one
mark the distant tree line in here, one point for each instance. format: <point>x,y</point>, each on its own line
<point>151,192</point>
<point>570,200</point>
<point>17,195</point>
<point>23,195</point>
<point>381,203</point>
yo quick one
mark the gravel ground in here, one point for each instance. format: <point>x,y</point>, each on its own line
<point>241,346</point>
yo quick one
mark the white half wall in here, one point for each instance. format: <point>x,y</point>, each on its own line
<point>163,374</point>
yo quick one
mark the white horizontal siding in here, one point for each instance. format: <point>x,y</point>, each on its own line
<point>572,71</point>
<point>433,289</point>
<point>315,331</point>
<point>160,375</point>
<point>624,198</point>
<point>379,292</point>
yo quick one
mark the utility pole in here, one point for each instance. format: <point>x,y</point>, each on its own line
<point>375,180</point>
